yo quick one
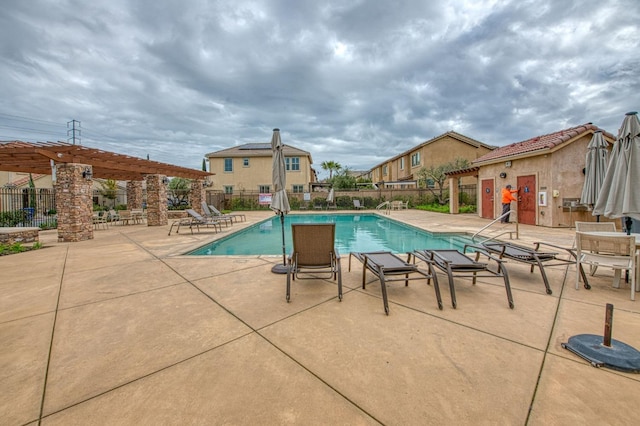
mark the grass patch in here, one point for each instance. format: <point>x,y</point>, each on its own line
<point>15,248</point>
<point>438,208</point>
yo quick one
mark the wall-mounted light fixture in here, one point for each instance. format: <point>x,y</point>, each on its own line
<point>165,180</point>
<point>206,184</point>
<point>507,163</point>
<point>503,175</point>
<point>87,173</point>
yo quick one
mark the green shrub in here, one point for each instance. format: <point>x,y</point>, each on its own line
<point>12,218</point>
<point>50,224</point>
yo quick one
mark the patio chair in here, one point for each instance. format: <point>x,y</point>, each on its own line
<point>314,254</point>
<point>616,252</point>
<point>531,256</point>
<point>226,219</point>
<point>235,216</point>
<point>357,205</point>
<point>457,264</point>
<point>595,227</point>
<point>389,267</point>
<point>196,220</point>
<point>100,218</point>
<point>125,217</point>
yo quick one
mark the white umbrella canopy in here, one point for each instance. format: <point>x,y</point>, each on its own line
<point>620,193</point>
<point>595,168</point>
<point>331,196</point>
<point>279,199</point>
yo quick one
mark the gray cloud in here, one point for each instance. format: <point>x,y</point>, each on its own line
<point>349,81</point>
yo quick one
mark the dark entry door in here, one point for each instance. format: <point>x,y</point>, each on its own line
<point>487,199</point>
<point>527,199</point>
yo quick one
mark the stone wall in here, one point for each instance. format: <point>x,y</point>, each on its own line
<point>156,201</point>
<point>134,194</point>
<point>74,203</point>
<point>19,235</point>
<point>197,195</point>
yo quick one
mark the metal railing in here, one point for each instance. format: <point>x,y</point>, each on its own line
<point>24,207</point>
<point>501,232</point>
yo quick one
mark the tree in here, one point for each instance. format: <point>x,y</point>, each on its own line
<point>343,180</point>
<point>109,190</point>
<point>178,191</point>
<point>434,178</point>
<point>204,165</point>
<point>331,166</point>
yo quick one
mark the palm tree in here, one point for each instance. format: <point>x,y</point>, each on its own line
<point>331,166</point>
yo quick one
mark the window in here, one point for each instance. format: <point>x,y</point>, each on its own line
<point>298,189</point>
<point>245,162</point>
<point>228,164</point>
<point>431,183</point>
<point>264,189</point>
<point>384,170</point>
<point>293,163</point>
<point>402,163</point>
<point>228,189</point>
<point>415,159</point>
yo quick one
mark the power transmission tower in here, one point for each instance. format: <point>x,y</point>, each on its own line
<point>74,131</point>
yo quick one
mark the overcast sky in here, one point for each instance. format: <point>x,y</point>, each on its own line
<point>349,81</point>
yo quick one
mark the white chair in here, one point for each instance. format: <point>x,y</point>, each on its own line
<point>616,252</point>
<point>595,227</point>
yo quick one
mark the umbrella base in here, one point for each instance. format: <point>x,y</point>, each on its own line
<point>280,269</point>
<point>619,356</point>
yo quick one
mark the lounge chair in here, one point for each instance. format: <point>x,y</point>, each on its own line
<point>357,205</point>
<point>386,265</point>
<point>616,252</point>
<point>314,254</point>
<point>455,263</point>
<point>196,220</point>
<point>531,256</point>
<point>226,219</point>
<point>235,216</point>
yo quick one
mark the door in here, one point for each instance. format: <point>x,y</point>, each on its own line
<point>527,199</point>
<point>487,199</point>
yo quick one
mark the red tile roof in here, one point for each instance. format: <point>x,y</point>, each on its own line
<point>25,180</point>
<point>540,143</point>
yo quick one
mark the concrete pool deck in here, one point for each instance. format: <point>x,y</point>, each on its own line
<point>123,329</point>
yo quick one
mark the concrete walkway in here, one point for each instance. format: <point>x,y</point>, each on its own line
<point>123,329</point>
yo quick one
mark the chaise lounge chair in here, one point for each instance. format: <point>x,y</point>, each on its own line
<point>531,256</point>
<point>386,265</point>
<point>196,220</point>
<point>457,264</point>
<point>226,219</point>
<point>357,205</point>
<point>314,254</point>
<point>235,216</point>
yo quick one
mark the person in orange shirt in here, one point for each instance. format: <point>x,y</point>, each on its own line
<point>507,198</point>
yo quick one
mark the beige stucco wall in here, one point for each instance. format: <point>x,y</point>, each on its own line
<point>257,173</point>
<point>559,170</point>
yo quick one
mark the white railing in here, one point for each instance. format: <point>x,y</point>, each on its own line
<point>502,231</point>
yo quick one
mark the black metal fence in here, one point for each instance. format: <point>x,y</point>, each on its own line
<point>28,207</point>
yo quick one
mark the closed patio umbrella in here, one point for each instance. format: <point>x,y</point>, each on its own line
<point>279,200</point>
<point>620,196</point>
<point>595,169</point>
<point>331,196</point>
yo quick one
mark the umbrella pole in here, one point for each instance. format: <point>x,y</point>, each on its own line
<point>281,269</point>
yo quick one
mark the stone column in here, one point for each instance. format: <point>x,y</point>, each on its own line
<point>74,202</point>
<point>197,195</point>
<point>454,195</point>
<point>134,194</point>
<point>156,201</point>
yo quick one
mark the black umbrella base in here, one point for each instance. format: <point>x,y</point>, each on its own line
<point>280,269</point>
<point>619,356</point>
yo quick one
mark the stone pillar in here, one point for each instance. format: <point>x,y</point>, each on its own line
<point>74,202</point>
<point>156,201</point>
<point>197,195</point>
<point>454,195</point>
<point>134,194</point>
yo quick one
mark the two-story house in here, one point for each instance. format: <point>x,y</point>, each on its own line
<point>248,168</point>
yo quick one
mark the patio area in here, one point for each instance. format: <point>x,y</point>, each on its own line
<point>124,329</point>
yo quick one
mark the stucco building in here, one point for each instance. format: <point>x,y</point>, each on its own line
<point>402,170</point>
<point>548,169</point>
<point>248,168</point>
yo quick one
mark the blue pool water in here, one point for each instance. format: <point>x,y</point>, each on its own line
<point>354,232</point>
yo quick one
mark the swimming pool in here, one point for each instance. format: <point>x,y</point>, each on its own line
<point>354,232</point>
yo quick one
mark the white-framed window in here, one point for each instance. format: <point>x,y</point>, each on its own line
<point>228,189</point>
<point>384,170</point>
<point>298,189</point>
<point>245,162</point>
<point>264,189</point>
<point>293,163</point>
<point>228,164</point>
<point>415,159</point>
<point>402,163</point>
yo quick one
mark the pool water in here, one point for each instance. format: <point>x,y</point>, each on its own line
<point>354,232</point>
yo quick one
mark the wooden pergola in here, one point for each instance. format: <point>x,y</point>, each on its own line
<point>27,157</point>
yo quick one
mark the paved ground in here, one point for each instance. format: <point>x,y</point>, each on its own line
<point>123,329</point>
